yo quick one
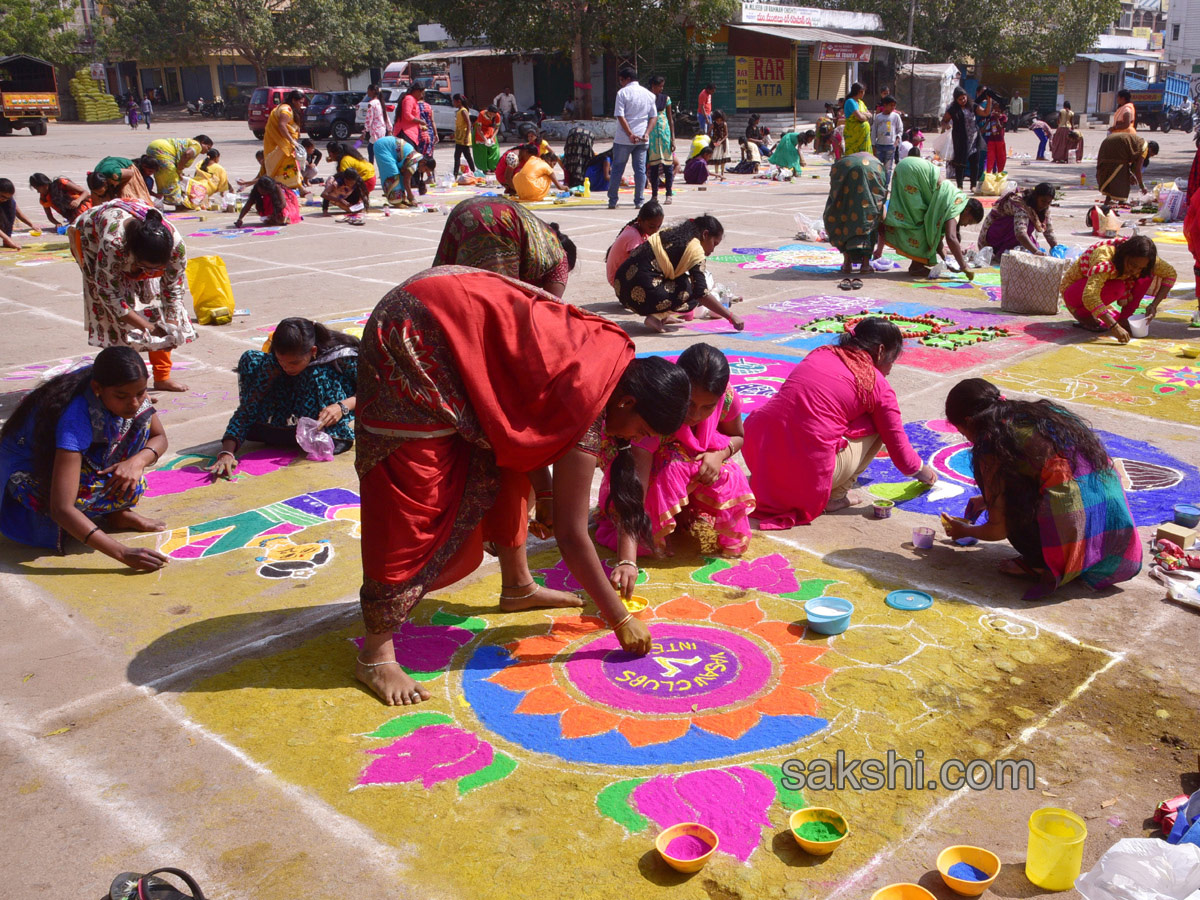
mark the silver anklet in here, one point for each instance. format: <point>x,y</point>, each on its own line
<point>536,587</point>
<point>367,665</point>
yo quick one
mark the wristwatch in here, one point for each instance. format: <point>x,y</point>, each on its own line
<point>342,406</point>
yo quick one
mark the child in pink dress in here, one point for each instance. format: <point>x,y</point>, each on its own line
<point>690,478</point>
<point>649,220</point>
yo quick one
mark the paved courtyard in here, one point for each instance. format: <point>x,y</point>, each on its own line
<point>205,716</point>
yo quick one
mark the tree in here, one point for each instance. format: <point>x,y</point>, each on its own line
<point>136,30</point>
<point>579,28</point>
<point>255,29</point>
<point>351,35</point>
<point>1004,35</point>
<point>39,28</point>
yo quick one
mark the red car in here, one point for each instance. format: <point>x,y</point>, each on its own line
<point>265,99</point>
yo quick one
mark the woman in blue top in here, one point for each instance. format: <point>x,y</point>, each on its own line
<point>75,451</point>
<point>401,167</point>
<point>306,371</point>
<point>599,171</point>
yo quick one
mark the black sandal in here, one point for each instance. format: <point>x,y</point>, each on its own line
<point>856,284</point>
<point>845,285</point>
<point>131,886</point>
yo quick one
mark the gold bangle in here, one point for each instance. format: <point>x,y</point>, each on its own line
<point>628,616</point>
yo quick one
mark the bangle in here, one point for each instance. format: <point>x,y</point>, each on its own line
<point>89,535</point>
<point>626,562</point>
<point>226,453</point>
<point>152,450</point>
<point>628,616</point>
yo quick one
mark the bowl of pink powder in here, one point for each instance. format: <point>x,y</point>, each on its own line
<point>818,829</point>
<point>687,847</point>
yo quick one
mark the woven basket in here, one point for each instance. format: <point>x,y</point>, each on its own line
<point>1030,284</point>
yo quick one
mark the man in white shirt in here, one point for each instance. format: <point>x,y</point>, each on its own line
<point>506,103</point>
<point>1016,108</point>
<point>885,134</point>
<point>636,113</point>
<point>375,123</point>
<point>147,110</point>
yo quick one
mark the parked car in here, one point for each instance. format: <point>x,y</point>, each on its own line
<point>265,99</point>
<point>332,114</point>
<point>441,101</point>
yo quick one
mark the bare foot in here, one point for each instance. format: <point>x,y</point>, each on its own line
<point>866,269</point>
<point>1018,568</point>
<point>847,267</point>
<point>170,385</point>
<point>542,598</point>
<point>655,325</point>
<point>391,684</point>
<point>851,498</point>
<point>128,520</point>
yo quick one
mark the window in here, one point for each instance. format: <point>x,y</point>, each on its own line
<point>1126,20</point>
<point>1174,32</point>
<point>1108,82</point>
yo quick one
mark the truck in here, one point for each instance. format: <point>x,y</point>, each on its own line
<point>1155,102</point>
<point>28,94</point>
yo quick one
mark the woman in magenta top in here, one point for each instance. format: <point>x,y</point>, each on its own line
<point>408,123</point>
<point>828,421</point>
<point>649,220</point>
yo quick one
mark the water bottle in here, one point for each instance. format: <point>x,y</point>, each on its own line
<point>587,187</point>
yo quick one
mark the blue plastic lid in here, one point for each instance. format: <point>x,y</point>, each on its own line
<point>909,600</point>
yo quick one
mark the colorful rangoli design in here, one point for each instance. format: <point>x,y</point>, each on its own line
<point>1154,481</point>
<point>927,329</point>
<point>755,379</point>
<point>802,257</point>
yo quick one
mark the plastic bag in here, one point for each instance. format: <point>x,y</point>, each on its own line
<point>1143,869</point>
<point>943,146</point>
<point>212,292</point>
<point>1059,251</point>
<point>808,229</point>
<point>313,440</point>
<point>1171,204</point>
<point>994,184</point>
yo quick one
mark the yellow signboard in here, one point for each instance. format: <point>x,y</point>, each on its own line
<point>1142,33</point>
<point>764,82</point>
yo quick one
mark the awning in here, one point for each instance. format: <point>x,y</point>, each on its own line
<point>456,53</point>
<point>821,35</point>
<point>1112,57</point>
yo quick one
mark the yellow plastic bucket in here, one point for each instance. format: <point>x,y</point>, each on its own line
<point>1055,854</point>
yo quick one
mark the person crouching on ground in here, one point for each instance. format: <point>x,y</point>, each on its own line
<point>1106,284</point>
<point>649,220</point>
<point>75,451</point>
<point>276,204</point>
<point>696,170</point>
<point>307,371</point>
<point>1048,487</point>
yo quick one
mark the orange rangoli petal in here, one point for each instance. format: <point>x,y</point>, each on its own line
<point>542,648</point>
<point>778,633</point>
<point>795,653</point>
<point>573,627</point>
<point>545,701</point>
<point>739,615</point>
<point>643,732</point>
<point>732,724</point>
<point>787,701</point>
<point>684,607</point>
<point>524,676</point>
<point>801,674</point>
<point>586,721</point>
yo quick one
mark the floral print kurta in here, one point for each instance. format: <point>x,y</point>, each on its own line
<point>98,244</point>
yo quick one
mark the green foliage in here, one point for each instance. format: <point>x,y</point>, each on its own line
<point>135,30</point>
<point>351,35</point>
<point>39,28</point>
<point>1004,35</point>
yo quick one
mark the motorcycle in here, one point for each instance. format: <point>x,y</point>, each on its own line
<point>214,109</point>
<point>1177,117</point>
<point>686,124</point>
<point>1024,120</point>
<point>193,109</point>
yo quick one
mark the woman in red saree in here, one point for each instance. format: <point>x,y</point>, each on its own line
<point>469,385</point>
<point>1191,223</point>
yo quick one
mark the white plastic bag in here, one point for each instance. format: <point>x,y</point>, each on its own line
<point>313,440</point>
<point>1143,869</point>
<point>808,229</point>
<point>943,146</point>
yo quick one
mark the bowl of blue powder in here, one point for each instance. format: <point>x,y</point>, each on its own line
<point>968,870</point>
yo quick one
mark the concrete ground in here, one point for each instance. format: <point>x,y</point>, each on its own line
<point>181,718</point>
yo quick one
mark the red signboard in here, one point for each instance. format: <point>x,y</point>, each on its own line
<point>843,52</point>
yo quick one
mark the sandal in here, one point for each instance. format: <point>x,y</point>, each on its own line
<point>131,886</point>
<point>845,284</point>
<point>856,284</point>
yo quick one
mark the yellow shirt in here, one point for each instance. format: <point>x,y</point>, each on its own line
<point>534,180</point>
<point>462,127</point>
<point>365,170</point>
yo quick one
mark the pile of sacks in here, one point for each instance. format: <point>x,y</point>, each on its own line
<point>93,104</point>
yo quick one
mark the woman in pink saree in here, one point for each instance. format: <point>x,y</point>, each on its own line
<point>689,478</point>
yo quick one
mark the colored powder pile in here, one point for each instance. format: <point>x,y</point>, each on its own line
<point>965,872</point>
<point>687,846</point>
<point>818,832</point>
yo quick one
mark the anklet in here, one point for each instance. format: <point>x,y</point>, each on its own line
<point>386,662</point>
<point>536,587</point>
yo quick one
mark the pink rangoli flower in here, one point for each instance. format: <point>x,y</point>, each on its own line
<point>430,755</point>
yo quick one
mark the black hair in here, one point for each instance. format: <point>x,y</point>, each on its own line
<point>1045,189</point>
<point>753,119</point>
<point>706,367</point>
<point>960,91</point>
<point>1153,147</point>
<point>210,157</point>
<point>527,128</point>
<point>710,87</point>
<point>6,186</point>
<point>373,87</point>
<point>461,98</point>
<point>531,148</point>
<point>568,246</point>
<point>260,155</point>
<point>1123,94</point>
<point>718,114</point>
<point>1066,104</point>
<point>1138,245</point>
<point>856,88</point>
<point>627,71</point>
<point>39,180</point>
<point>296,336</point>
<point>337,150</point>
<point>307,143</point>
<point>95,182</point>
<point>150,239</point>
<point>998,423</point>
<point>203,139</point>
<point>348,174</point>
<point>145,161</point>
<point>112,367</point>
<point>709,223</point>
<point>660,391</point>
<point>888,99</point>
<point>657,79</point>
<point>707,148</point>
<point>806,138</point>
<point>294,97</point>
<point>914,150</point>
<point>878,337</point>
<point>975,208</point>
<point>651,209</point>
